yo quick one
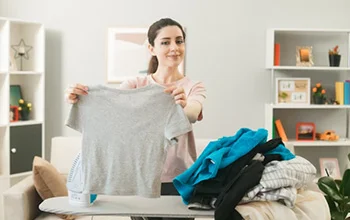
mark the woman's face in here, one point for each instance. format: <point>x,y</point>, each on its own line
<point>169,46</point>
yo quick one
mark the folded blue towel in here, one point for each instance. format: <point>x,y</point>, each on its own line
<point>283,151</point>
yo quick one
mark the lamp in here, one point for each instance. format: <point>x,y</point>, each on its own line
<point>21,50</point>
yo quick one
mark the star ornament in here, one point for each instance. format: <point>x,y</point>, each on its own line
<point>21,50</point>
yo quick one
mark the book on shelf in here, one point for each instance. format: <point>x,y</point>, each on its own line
<point>274,135</point>
<point>280,130</point>
<point>342,92</point>
<point>347,92</point>
<point>277,55</point>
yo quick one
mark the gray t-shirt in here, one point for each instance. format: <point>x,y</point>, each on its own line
<point>125,135</point>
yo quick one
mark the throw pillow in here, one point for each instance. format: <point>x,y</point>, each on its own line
<point>48,182</point>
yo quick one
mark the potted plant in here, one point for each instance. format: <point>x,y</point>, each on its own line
<point>334,56</point>
<point>337,194</point>
<point>318,94</point>
<point>24,109</point>
<point>283,96</point>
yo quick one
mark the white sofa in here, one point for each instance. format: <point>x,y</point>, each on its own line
<point>21,201</point>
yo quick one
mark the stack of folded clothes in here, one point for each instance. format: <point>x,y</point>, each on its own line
<point>242,168</point>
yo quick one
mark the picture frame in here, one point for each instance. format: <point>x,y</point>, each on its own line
<point>292,91</point>
<point>305,131</point>
<point>127,53</point>
<point>330,167</point>
<point>304,56</point>
<point>14,115</point>
<point>15,94</point>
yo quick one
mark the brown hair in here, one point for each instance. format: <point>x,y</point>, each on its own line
<point>152,34</point>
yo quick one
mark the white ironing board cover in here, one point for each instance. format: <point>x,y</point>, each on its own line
<point>165,206</point>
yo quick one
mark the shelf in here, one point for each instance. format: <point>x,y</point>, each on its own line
<point>312,106</point>
<point>25,73</point>
<point>32,88</point>
<point>23,123</point>
<point>306,30</point>
<point>28,71</point>
<point>342,142</point>
<point>324,68</point>
<point>321,40</point>
<point>285,44</point>
<point>33,38</point>
<point>21,174</point>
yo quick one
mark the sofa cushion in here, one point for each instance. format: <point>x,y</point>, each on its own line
<point>48,182</point>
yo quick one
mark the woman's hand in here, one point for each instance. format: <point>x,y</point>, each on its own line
<point>74,91</point>
<point>179,95</point>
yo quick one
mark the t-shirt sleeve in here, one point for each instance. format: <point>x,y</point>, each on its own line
<point>75,118</point>
<point>177,123</point>
<point>198,94</point>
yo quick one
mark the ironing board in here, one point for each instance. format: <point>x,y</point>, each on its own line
<point>165,206</point>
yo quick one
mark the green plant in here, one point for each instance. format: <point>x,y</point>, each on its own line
<point>318,90</point>
<point>283,95</point>
<point>24,108</point>
<point>334,51</point>
<point>337,194</point>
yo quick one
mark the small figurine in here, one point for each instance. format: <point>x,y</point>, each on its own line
<point>328,135</point>
<point>332,101</point>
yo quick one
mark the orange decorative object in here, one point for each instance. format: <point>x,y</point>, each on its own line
<point>327,135</point>
<point>277,54</point>
<point>305,131</point>
<point>304,55</point>
<point>14,113</point>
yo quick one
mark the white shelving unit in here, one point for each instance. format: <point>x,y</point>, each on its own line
<point>335,69</point>
<point>311,106</point>
<point>20,141</point>
<point>322,115</point>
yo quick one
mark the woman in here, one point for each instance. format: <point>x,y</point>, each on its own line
<point>167,46</point>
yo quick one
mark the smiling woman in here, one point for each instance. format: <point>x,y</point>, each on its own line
<point>166,45</point>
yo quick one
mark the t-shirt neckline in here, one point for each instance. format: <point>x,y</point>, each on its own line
<point>166,84</point>
<point>138,89</point>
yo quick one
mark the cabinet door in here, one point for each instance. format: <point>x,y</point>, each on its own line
<point>25,143</point>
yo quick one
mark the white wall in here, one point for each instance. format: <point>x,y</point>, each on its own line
<point>226,48</point>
